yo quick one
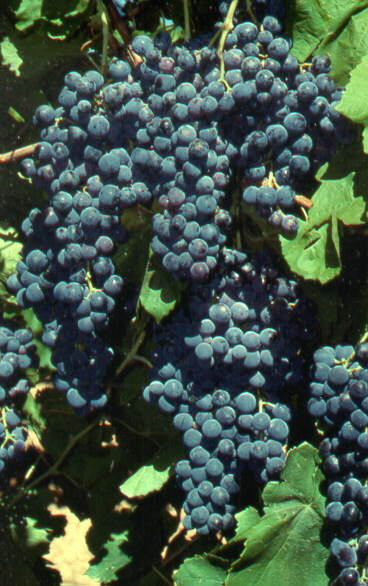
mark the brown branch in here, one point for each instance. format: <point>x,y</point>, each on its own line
<point>303,201</point>
<point>18,153</point>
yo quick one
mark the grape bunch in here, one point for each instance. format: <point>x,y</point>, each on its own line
<point>339,400</point>
<point>180,155</point>
<point>219,370</point>
<point>66,273</point>
<point>17,353</point>
<point>281,118</point>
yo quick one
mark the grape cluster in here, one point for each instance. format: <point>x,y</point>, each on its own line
<point>17,353</point>
<point>66,273</point>
<point>339,399</point>
<point>180,155</point>
<point>219,370</point>
<point>281,120</point>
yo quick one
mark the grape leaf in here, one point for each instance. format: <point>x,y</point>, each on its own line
<point>31,534</point>
<point>60,18</point>
<point>283,546</point>
<point>10,56</point>
<point>314,253</point>
<point>15,568</point>
<point>105,570</point>
<point>147,479</point>
<point>160,291</point>
<point>311,23</point>
<point>9,255</point>
<point>199,570</point>
<point>73,540</point>
<point>348,49</point>
<point>354,101</point>
<point>28,12</point>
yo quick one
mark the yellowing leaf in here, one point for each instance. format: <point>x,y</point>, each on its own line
<point>10,56</point>
<point>69,554</point>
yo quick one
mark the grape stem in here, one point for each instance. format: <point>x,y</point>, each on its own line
<point>227,26</point>
<point>6,430</point>
<point>105,35</point>
<point>54,468</point>
<point>132,355</point>
<point>160,575</point>
<point>186,20</point>
<point>250,11</point>
<point>18,153</point>
<point>147,435</point>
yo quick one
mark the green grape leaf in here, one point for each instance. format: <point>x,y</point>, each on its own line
<point>34,536</point>
<point>354,102</point>
<point>15,567</point>
<point>283,546</point>
<point>199,571</point>
<point>160,291</point>
<point>10,250</point>
<point>147,479</point>
<point>245,520</point>
<point>28,12</point>
<point>155,473</point>
<point>350,46</point>
<point>60,19</point>
<point>33,411</point>
<point>314,253</point>
<point>312,23</point>
<point>10,56</point>
<point>115,559</point>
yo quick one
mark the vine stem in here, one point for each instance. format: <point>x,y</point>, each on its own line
<point>304,201</point>
<point>250,11</point>
<point>225,29</point>
<point>18,153</point>
<point>227,26</point>
<point>186,20</point>
<point>160,575</point>
<point>132,355</point>
<point>54,467</point>
<point>105,35</point>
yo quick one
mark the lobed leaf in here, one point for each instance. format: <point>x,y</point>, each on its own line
<point>313,23</point>
<point>105,571</point>
<point>314,253</point>
<point>160,291</point>
<point>199,571</point>
<point>354,101</point>
<point>147,479</point>
<point>283,547</point>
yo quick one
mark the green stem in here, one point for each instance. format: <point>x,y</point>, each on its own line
<point>186,20</point>
<point>105,35</point>
<point>250,11</point>
<point>55,466</point>
<point>135,431</point>
<point>227,26</point>
<point>132,355</point>
<point>161,575</point>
